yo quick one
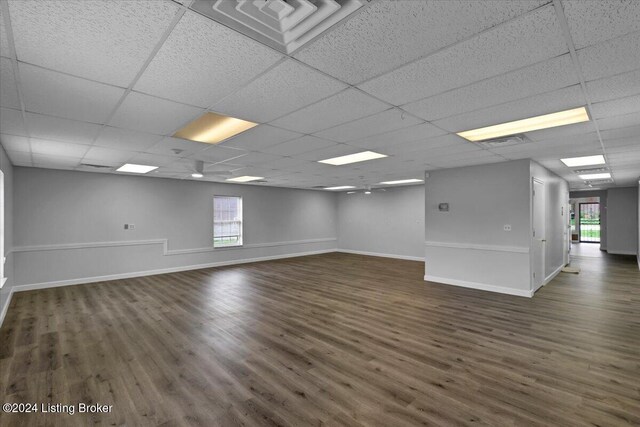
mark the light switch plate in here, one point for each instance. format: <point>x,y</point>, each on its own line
<point>507,227</point>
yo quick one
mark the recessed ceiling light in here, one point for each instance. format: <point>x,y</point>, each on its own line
<point>197,175</point>
<point>213,128</point>
<point>351,192</point>
<point>353,158</point>
<point>401,181</point>
<point>245,178</point>
<point>561,118</point>
<point>593,176</point>
<point>573,162</point>
<point>342,187</point>
<point>132,168</point>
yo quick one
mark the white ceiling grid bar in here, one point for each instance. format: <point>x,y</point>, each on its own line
<point>562,19</point>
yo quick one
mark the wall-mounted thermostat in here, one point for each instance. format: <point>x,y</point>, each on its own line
<point>443,207</point>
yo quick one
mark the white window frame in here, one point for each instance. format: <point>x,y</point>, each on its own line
<point>241,221</point>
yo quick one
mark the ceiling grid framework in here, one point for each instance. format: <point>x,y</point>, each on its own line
<point>392,109</point>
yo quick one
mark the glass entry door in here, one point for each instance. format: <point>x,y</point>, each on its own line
<point>589,222</point>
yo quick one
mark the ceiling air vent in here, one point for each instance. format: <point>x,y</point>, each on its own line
<point>590,170</point>
<point>284,25</point>
<point>505,141</point>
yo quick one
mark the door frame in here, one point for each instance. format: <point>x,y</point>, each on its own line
<point>580,222</point>
<point>537,283</point>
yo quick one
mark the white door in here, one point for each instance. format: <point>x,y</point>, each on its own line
<point>538,233</point>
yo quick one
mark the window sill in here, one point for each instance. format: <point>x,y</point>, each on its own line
<point>228,247</point>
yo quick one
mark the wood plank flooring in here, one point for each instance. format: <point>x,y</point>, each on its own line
<point>334,339</point>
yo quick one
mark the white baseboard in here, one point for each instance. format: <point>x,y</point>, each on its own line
<point>405,257</point>
<point>552,275</point>
<point>481,286</point>
<point>68,282</point>
<point>3,313</point>
<point>622,252</point>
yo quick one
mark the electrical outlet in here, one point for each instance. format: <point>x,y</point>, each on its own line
<point>507,227</point>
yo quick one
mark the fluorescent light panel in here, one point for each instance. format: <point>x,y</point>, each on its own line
<point>342,187</point>
<point>212,128</point>
<point>593,176</point>
<point>133,168</point>
<point>353,158</point>
<point>573,162</point>
<point>402,181</point>
<point>561,118</point>
<point>245,178</point>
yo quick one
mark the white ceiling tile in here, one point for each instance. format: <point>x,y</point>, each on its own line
<point>388,34</point>
<point>526,40</point>
<point>4,40</point>
<point>614,87</point>
<point>153,115</point>
<point>283,89</point>
<point>549,102</point>
<point>8,87</point>
<point>102,155</point>
<point>398,137</point>
<point>59,129</point>
<point>256,171</point>
<point>55,162</point>
<point>15,143</point>
<point>167,145</point>
<point>203,61</point>
<point>285,164</point>
<point>626,120</point>
<point>563,131</point>
<point>19,158</point>
<point>622,132</point>
<point>592,22</point>
<point>128,140</point>
<point>385,121</point>
<point>343,107</point>
<point>617,107</point>
<point>299,145</point>
<point>408,148</point>
<point>542,77</point>
<point>253,159</point>
<point>634,141</point>
<point>61,95</point>
<point>56,148</point>
<point>103,41</point>
<point>615,56</point>
<point>261,137</point>
<point>217,153</point>
<point>11,122</point>
<point>151,159</point>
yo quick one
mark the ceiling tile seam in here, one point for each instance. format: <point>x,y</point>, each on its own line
<point>497,76</point>
<point>180,12</point>
<point>443,48</point>
<point>14,65</point>
<point>403,111</point>
<point>514,100</point>
<point>564,26</point>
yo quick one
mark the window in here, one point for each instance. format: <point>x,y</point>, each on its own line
<point>227,221</point>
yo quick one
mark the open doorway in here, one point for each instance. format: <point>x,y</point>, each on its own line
<point>589,222</point>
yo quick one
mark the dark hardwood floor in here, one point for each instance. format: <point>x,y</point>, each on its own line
<point>332,339</point>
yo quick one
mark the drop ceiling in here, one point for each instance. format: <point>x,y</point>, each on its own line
<point>85,83</point>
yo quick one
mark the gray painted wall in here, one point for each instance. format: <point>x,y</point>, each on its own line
<point>55,207</point>
<point>557,217</point>
<point>389,222</point>
<point>468,245</point>
<point>622,224</point>
<point>7,170</point>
